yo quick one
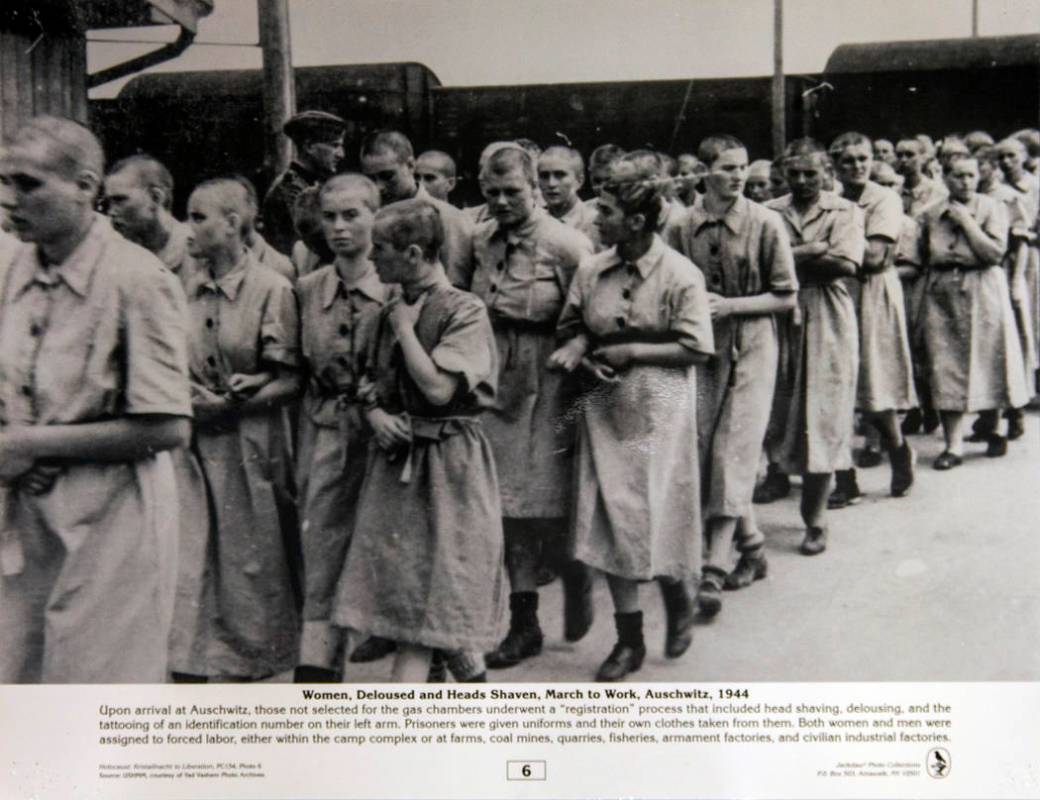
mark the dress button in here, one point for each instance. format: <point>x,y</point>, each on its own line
<point>343,330</point>
<point>209,322</point>
<point>627,294</point>
<point>493,288</point>
<point>620,322</point>
<point>211,361</point>
<point>714,249</point>
<point>501,265</point>
<point>35,330</point>
<point>342,361</point>
<point>27,391</point>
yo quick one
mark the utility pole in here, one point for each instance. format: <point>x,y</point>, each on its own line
<point>779,95</point>
<point>974,18</point>
<point>279,92</point>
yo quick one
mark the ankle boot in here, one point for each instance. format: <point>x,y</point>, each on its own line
<point>846,490</point>
<point>525,636</point>
<point>679,613</point>
<point>903,459</point>
<point>629,652</point>
<point>709,593</point>
<point>1016,423</point>
<point>814,543</point>
<point>775,486</point>
<point>751,567</point>
<point>577,600</point>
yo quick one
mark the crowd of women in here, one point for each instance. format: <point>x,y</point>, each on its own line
<point>225,458</point>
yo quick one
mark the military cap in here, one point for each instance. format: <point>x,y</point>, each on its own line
<point>311,125</point>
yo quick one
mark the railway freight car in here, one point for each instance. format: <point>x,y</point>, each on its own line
<point>201,123</point>
<point>207,123</point>
<point>939,86</point>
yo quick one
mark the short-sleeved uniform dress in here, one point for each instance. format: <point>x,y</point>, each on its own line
<point>338,322</point>
<point>236,612</point>
<point>426,564</point>
<point>1018,221</point>
<point>743,253</point>
<point>1028,188</point>
<point>975,359</point>
<point>637,507</point>
<point>886,373</point>
<point>522,276</point>
<point>100,336</point>
<point>817,437</point>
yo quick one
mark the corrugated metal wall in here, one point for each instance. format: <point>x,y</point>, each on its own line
<point>44,75</point>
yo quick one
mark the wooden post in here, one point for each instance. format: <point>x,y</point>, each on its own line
<point>779,95</point>
<point>279,82</point>
<point>974,18</point>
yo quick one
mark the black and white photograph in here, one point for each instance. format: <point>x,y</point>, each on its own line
<point>351,342</point>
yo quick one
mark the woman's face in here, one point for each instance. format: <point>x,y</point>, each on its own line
<point>611,221</point>
<point>727,174</point>
<point>962,179</point>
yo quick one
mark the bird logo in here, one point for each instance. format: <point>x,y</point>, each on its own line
<point>938,762</point>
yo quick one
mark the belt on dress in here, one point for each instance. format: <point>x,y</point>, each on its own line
<point>433,429</point>
<point>501,322</point>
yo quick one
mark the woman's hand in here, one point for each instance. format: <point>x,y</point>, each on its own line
<point>391,431</point>
<point>569,356</point>
<point>244,385</point>
<point>207,405</point>
<point>403,316</point>
<point>599,370</point>
<point>719,306</point>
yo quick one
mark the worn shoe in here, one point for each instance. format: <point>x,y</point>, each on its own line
<point>996,446</point>
<point>629,652</point>
<point>1016,424</point>
<point>911,422</point>
<point>679,613</point>
<point>623,659</point>
<point>776,486</point>
<point>751,567</point>
<point>709,593</point>
<point>846,491</point>
<point>524,638</point>
<point>578,612</point>
<point>903,460</point>
<point>814,543</point>
<point>372,649</point>
<point>868,457</point>
<point>947,460</point>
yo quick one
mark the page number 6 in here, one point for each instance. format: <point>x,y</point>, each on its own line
<point>525,770</point>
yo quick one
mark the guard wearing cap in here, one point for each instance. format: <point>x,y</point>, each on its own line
<point>318,137</point>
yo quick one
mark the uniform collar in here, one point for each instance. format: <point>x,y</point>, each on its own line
<point>368,284</point>
<point>516,236</point>
<point>646,263</point>
<point>230,284</point>
<point>75,271</point>
<point>308,175</point>
<point>827,201</point>
<point>942,208</point>
<point>735,217</point>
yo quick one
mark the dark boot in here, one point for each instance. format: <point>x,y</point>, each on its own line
<point>775,486</point>
<point>679,612</point>
<point>984,426</point>
<point>814,543</point>
<point>629,652</point>
<point>1016,423</point>
<point>996,446</point>
<point>577,600</point>
<point>846,490</point>
<point>911,422</point>
<point>751,567</point>
<point>903,459</point>
<point>305,673</point>
<point>524,638</point>
<point>709,593</point>
<point>372,649</point>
